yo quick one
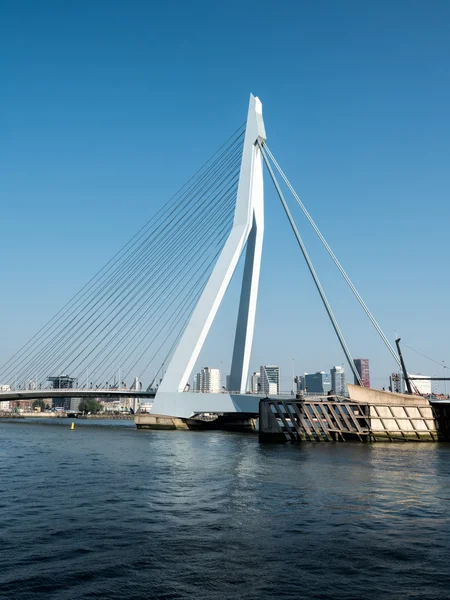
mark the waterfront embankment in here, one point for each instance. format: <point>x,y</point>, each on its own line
<point>52,415</point>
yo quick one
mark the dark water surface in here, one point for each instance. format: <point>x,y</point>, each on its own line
<point>113,513</point>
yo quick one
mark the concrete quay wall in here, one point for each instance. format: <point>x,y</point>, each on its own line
<point>414,421</point>
<point>394,415</point>
<point>154,421</point>
<point>244,422</point>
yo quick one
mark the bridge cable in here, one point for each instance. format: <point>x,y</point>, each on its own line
<point>311,268</point>
<point>76,323</point>
<point>175,279</point>
<point>172,321</point>
<point>144,332</point>
<point>137,283</point>
<point>118,253</point>
<point>336,261</point>
<point>142,293</point>
<point>189,309</point>
<point>425,356</point>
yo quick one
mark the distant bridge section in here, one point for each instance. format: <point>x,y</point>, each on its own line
<point>74,393</point>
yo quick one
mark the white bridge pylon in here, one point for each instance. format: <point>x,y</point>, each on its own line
<point>248,228</point>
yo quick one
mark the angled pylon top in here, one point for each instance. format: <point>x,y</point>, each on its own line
<point>255,107</point>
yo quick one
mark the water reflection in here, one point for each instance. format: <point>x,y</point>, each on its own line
<point>114,513</point>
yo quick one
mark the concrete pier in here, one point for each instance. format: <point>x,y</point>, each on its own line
<point>150,421</point>
<point>369,415</point>
<point>220,422</point>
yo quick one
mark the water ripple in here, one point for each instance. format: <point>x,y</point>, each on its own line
<point>117,514</point>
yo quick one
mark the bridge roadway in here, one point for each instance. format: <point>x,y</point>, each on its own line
<point>73,393</point>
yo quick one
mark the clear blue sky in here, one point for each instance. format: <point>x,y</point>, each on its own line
<point>106,107</point>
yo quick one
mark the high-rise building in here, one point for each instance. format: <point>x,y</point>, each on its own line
<point>300,381</point>
<point>423,386</point>
<point>228,379</point>
<point>270,380</point>
<point>74,404</point>
<point>318,383</point>
<point>62,382</point>
<point>58,383</point>
<point>256,382</point>
<point>207,381</point>
<point>5,404</point>
<point>61,403</point>
<point>338,384</point>
<point>362,366</point>
<point>398,384</point>
<point>197,383</point>
<point>210,380</point>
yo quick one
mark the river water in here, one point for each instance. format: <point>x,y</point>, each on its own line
<point>106,511</point>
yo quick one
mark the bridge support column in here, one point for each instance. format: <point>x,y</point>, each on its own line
<point>248,228</point>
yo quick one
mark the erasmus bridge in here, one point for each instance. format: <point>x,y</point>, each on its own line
<point>150,308</point>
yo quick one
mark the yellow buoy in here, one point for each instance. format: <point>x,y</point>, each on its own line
<point>72,426</point>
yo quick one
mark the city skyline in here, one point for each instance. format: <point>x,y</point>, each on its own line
<point>65,144</point>
<point>393,381</point>
<point>209,380</point>
<point>270,382</point>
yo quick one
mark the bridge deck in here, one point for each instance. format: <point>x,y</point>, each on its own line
<point>73,393</point>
